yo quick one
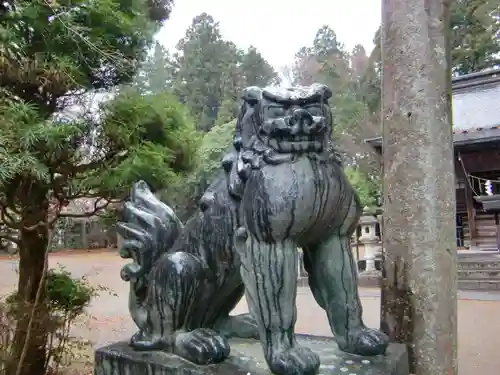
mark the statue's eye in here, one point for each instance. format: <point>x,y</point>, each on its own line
<point>274,112</point>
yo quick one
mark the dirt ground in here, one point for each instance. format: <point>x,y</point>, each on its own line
<point>478,312</point>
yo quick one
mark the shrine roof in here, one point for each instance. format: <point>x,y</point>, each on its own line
<point>475,108</point>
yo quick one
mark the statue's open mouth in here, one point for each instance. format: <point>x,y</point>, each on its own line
<point>286,135</point>
<point>295,144</point>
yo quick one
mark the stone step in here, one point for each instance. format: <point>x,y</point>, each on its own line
<point>478,266</point>
<point>478,284</point>
<point>478,262</point>
<point>483,273</point>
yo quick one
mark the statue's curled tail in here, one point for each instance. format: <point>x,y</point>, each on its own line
<point>148,228</point>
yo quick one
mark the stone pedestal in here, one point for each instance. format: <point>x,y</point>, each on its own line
<point>247,358</point>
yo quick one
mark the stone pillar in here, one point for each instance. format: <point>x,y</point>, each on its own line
<point>419,294</point>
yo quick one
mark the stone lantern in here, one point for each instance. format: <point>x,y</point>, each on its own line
<point>370,240</point>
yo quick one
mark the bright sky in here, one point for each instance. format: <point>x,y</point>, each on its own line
<point>277,28</point>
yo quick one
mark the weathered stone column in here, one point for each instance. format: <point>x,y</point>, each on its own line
<point>419,288</point>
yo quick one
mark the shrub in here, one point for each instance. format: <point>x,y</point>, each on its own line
<point>66,300</point>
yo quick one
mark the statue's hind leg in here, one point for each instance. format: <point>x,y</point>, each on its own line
<point>175,292</point>
<point>269,271</point>
<point>333,282</point>
<point>242,325</point>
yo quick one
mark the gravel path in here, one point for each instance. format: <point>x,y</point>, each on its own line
<point>478,312</point>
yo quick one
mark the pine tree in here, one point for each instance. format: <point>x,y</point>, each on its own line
<point>57,148</point>
<point>211,72</point>
<point>256,70</point>
<point>202,60</point>
<point>157,73</point>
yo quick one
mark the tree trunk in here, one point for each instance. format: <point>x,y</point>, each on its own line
<point>419,278</point>
<point>32,250</point>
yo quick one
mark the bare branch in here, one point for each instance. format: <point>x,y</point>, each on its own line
<point>98,206</point>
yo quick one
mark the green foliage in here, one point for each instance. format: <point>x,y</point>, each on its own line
<point>325,43</point>
<point>227,112</point>
<point>56,147</point>
<point>157,73</point>
<point>108,218</point>
<point>257,71</point>
<point>138,137</point>
<point>348,112</point>
<point>184,195</point>
<point>203,57</point>
<point>157,134</point>
<point>67,298</point>
<point>56,54</point>
<point>214,145</point>
<point>51,48</point>
<point>328,62</point>
<point>474,37</point>
<point>207,73</point>
<point>475,32</point>
<point>67,294</point>
<point>368,188</point>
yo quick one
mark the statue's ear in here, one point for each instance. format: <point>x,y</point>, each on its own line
<point>323,91</point>
<point>252,95</point>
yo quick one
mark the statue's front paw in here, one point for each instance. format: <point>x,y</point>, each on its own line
<point>202,346</point>
<point>365,341</point>
<point>294,361</point>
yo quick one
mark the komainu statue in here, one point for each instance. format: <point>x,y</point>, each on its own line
<point>283,187</point>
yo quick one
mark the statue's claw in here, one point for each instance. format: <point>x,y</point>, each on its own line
<point>142,343</point>
<point>365,341</point>
<point>294,361</point>
<point>202,346</point>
